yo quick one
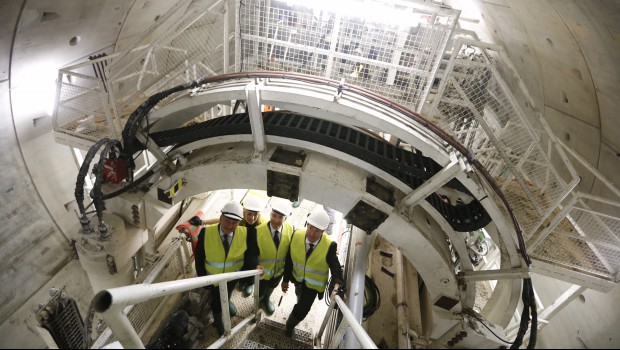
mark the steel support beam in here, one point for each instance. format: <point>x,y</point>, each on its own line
<point>253,101</point>
<point>493,275</point>
<point>438,180</point>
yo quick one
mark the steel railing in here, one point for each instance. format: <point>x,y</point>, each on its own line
<point>112,303</point>
<point>169,267</point>
<point>476,107</point>
<point>348,321</point>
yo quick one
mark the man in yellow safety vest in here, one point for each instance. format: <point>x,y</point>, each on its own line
<point>252,217</point>
<point>274,239</point>
<point>312,255</point>
<point>225,247</point>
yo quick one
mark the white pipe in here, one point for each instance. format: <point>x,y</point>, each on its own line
<point>225,39</point>
<point>225,310</point>
<point>402,308</point>
<point>339,334</point>
<point>319,334</point>
<point>110,303</point>
<point>138,293</point>
<point>610,185</point>
<point>437,181</point>
<point>121,327</point>
<point>355,296</point>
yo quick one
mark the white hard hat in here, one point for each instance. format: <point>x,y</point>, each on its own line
<point>253,203</point>
<point>319,219</point>
<point>232,210</point>
<point>282,206</point>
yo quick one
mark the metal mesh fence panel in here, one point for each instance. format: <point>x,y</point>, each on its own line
<point>395,60</point>
<point>190,50</point>
<point>398,61</point>
<point>81,106</point>
<point>476,107</point>
<point>584,240</point>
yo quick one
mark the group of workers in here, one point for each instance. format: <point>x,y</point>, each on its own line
<point>241,239</point>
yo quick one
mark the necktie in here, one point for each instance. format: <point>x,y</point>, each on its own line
<point>276,239</point>
<point>309,250</point>
<point>226,244</point>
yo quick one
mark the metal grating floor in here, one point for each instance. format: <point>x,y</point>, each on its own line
<point>269,334</point>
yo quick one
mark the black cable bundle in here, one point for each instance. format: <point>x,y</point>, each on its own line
<point>83,172</point>
<point>97,194</point>
<point>372,297</point>
<point>534,329</point>
<point>529,305</point>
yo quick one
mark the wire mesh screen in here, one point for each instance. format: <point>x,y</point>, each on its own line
<point>585,240</point>
<point>80,107</point>
<point>397,61</point>
<point>190,50</point>
<point>476,107</point>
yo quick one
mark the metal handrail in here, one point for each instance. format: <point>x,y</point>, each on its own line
<point>347,321</point>
<point>111,303</point>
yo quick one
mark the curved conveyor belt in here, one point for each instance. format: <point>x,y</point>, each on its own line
<point>411,168</point>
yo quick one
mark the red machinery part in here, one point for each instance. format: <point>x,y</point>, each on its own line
<point>115,170</point>
<point>191,231</point>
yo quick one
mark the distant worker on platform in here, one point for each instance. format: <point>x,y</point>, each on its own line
<point>225,247</point>
<point>359,69</point>
<point>311,257</point>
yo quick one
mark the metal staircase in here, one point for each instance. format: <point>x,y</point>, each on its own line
<point>269,334</point>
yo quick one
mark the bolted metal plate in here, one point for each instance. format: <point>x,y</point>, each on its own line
<point>282,185</point>
<point>283,156</point>
<point>366,217</point>
<point>446,303</point>
<point>385,194</point>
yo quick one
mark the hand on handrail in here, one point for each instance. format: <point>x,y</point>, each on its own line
<point>336,290</point>
<point>284,286</point>
<point>262,271</point>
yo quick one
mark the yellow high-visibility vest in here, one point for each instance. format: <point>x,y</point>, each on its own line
<point>216,260</point>
<point>270,258</point>
<point>314,272</point>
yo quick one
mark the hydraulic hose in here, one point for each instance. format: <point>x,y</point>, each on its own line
<point>97,195</point>
<point>79,184</point>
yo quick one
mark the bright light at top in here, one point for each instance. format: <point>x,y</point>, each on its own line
<point>373,11</point>
<point>34,91</point>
